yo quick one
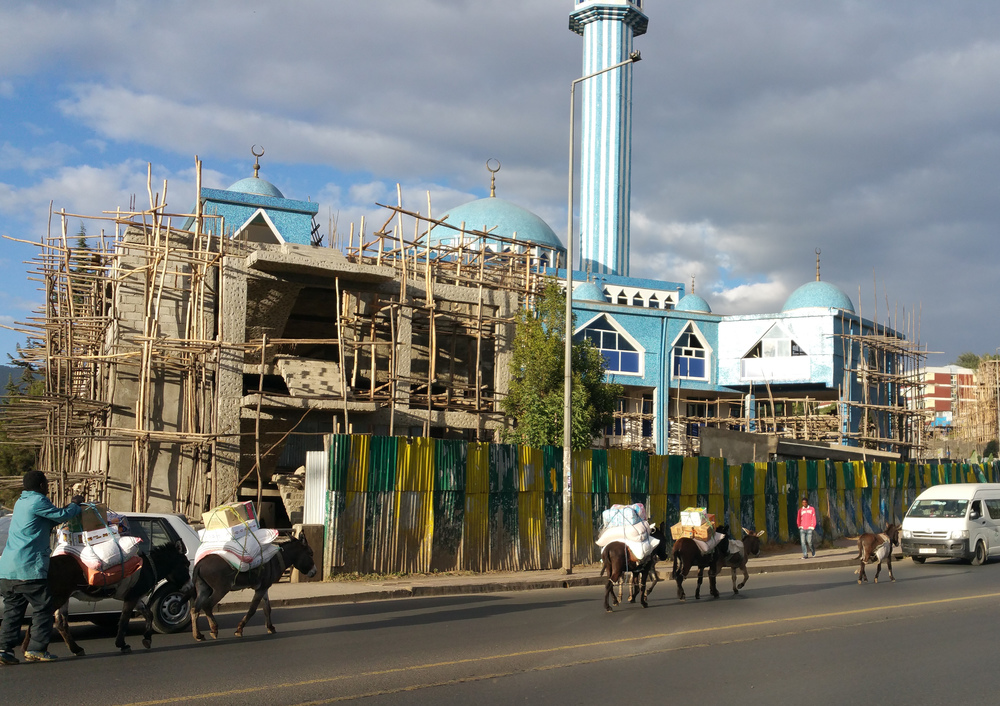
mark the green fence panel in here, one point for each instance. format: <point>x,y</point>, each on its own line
<point>340,456</point>
<point>450,456</point>
<point>640,477</point>
<point>382,471</point>
<point>675,476</point>
<point>599,472</point>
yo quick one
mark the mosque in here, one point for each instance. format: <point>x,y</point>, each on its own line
<point>815,372</point>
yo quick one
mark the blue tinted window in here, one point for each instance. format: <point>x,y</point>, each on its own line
<point>620,356</point>
<point>690,355</point>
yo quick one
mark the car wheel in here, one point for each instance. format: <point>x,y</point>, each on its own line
<point>980,555</point>
<point>919,559</point>
<point>170,610</point>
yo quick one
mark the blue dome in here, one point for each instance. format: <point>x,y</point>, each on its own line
<point>501,218</point>
<point>818,294</point>
<point>589,292</point>
<point>257,186</point>
<point>692,302</point>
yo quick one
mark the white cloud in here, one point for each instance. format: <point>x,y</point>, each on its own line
<point>761,132</point>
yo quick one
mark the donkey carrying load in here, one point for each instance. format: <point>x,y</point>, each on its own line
<point>630,545</point>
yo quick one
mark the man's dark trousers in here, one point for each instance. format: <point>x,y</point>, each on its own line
<point>17,595</point>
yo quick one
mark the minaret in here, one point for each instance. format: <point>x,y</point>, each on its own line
<point>607,27</point>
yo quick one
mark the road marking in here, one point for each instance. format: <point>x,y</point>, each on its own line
<point>547,650</point>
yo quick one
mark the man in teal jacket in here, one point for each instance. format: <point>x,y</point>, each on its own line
<point>24,569</point>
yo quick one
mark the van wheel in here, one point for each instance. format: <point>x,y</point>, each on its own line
<point>980,555</point>
<point>918,559</point>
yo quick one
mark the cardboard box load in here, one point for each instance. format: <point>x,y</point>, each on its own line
<point>230,515</point>
<point>231,531</point>
<point>694,516</point>
<point>702,532</point>
<point>696,522</point>
<point>94,539</point>
<point>94,516</point>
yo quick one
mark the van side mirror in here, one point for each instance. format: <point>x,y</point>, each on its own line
<point>973,514</point>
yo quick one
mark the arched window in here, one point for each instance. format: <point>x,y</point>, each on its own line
<point>776,343</point>
<point>637,299</point>
<point>620,354</point>
<point>691,355</point>
<point>654,303</point>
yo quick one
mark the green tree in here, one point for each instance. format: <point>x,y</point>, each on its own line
<point>17,458</point>
<point>971,360</point>
<point>535,397</point>
<point>968,360</point>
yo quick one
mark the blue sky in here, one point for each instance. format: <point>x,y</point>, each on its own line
<point>762,131</point>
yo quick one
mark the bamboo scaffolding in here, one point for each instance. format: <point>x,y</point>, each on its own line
<point>137,304</point>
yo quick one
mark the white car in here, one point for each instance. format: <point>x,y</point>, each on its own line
<point>169,605</point>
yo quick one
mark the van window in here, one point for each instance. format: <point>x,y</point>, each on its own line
<point>938,508</point>
<point>993,507</point>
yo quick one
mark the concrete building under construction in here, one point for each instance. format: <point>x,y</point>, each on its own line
<point>185,355</point>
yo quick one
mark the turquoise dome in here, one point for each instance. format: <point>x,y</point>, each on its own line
<point>499,217</point>
<point>818,294</point>
<point>692,302</point>
<point>256,186</point>
<point>589,292</point>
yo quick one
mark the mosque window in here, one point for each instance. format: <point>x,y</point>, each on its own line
<point>776,343</point>
<point>637,299</point>
<point>622,298</point>
<point>621,355</point>
<point>654,303</point>
<point>691,355</point>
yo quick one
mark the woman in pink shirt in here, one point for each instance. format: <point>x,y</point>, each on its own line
<point>806,521</point>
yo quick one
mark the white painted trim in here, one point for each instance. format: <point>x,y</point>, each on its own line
<point>267,219</point>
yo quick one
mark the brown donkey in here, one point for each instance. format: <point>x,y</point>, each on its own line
<point>876,548</point>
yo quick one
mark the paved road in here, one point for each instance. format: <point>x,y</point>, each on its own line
<point>812,637</point>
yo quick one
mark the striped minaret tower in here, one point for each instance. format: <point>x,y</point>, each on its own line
<point>607,27</point>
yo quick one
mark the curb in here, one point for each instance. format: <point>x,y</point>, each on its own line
<point>451,589</point>
<point>417,592</point>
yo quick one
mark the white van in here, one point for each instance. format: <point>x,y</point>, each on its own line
<point>959,520</point>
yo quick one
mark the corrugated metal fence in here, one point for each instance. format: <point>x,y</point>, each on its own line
<point>398,505</point>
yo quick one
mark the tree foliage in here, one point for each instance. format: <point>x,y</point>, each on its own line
<point>535,397</point>
<point>971,360</point>
<point>18,458</point>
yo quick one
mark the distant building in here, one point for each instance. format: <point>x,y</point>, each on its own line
<point>946,390</point>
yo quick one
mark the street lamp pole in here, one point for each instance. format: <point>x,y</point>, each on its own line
<point>996,381</point>
<point>567,499</point>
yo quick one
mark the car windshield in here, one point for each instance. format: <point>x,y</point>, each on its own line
<point>938,508</point>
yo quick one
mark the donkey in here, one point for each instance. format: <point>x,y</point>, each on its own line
<point>66,576</point>
<point>617,560</point>
<point>738,553</point>
<point>688,554</point>
<point>876,548</point>
<point>214,577</point>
